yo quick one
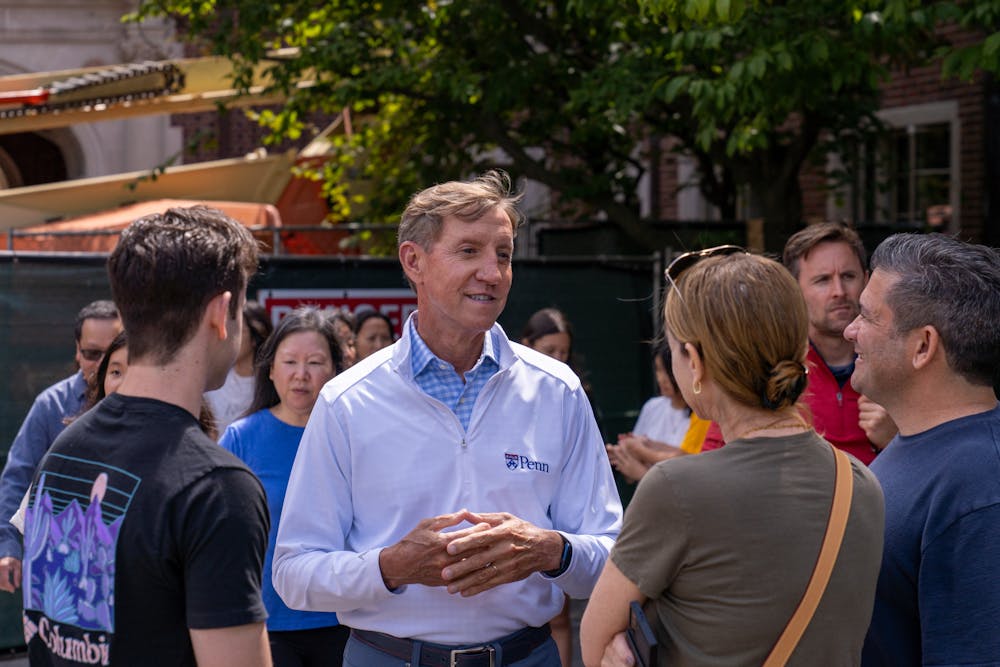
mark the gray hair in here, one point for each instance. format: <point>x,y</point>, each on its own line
<point>467,201</point>
<point>103,309</point>
<point>952,286</point>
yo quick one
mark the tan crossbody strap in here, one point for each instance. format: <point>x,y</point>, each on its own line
<point>842,490</point>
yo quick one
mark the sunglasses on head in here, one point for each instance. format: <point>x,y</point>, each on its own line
<point>91,354</point>
<point>685,261</point>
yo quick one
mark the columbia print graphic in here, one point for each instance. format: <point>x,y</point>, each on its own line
<point>69,549</point>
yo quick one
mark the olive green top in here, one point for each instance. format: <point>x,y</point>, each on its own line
<point>724,543</point>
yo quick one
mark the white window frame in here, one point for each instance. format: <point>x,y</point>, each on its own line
<point>935,113</point>
<point>909,118</point>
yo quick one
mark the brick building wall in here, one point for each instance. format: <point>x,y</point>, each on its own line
<point>664,181</point>
<point>917,86</point>
<point>924,85</point>
<point>815,192</point>
<point>216,135</point>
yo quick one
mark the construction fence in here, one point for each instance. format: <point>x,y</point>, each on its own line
<point>610,301</point>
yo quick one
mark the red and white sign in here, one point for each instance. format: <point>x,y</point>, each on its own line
<point>397,304</point>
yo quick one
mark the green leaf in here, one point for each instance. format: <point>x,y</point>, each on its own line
<point>706,136</point>
<point>818,51</point>
<point>674,88</point>
<point>736,71</point>
<point>991,45</point>
<point>722,9</point>
<point>435,86</point>
<point>698,9</point>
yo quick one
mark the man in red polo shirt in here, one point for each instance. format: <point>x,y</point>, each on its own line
<point>828,260</point>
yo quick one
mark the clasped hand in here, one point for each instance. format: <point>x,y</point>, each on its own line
<point>635,454</point>
<point>498,548</point>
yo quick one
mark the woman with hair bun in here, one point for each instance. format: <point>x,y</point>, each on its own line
<point>720,548</point>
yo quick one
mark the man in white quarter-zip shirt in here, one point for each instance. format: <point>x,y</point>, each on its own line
<point>449,489</point>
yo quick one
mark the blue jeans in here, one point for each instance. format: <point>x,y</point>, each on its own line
<point>359,654</point>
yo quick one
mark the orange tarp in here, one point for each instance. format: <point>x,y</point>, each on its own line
<point>96,232</point>
<point>302,204</point>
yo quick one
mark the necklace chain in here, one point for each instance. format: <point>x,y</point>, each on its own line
<point>776,424</point>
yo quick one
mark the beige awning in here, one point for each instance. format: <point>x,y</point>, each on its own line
<point>254,178</point>
<point>98,232</point>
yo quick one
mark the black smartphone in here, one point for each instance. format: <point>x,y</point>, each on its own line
<point>640,636</point>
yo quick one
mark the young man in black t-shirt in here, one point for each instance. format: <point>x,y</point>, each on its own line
<point>144,540</point>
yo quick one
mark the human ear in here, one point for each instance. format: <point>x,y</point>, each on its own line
<point>695,362</point>
<point>926,347</point>
<point>411,258</point>
<point>217,314</point>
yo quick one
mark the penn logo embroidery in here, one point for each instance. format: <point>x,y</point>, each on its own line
<point>519,462</point>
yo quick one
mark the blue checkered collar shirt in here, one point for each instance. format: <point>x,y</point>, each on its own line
<point>438,379</point>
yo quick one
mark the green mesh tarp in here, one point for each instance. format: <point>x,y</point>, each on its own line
<point>610,303</point>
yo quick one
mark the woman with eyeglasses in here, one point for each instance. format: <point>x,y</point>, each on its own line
<point>719,549</point>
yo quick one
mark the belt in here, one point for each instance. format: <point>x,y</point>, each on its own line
<point>515,647</point>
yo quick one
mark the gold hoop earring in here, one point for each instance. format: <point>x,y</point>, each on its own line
<point>696,387</point>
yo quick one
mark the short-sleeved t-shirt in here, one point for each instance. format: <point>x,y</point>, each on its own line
<point>139,528</point>
<point>723,545</point>
<point>938,595</point>
<point>659,420</point>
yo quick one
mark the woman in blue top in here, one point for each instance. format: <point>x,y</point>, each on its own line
<point>301,355</point>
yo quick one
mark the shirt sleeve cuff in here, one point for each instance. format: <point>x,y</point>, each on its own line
<point>563,567</point>
<point>371,559</point>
